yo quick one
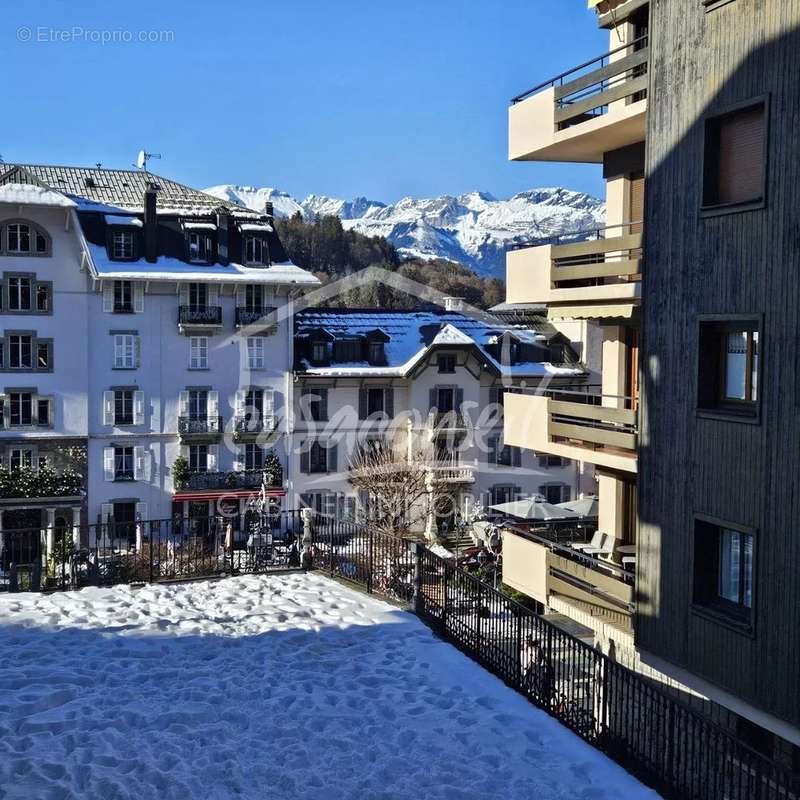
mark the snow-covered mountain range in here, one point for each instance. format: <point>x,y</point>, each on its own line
<point>474,229</point>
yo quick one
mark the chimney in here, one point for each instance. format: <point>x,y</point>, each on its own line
<point>150,224</point>
<point>453,303</point>
<point>268,210</point>
<point>222,236</point>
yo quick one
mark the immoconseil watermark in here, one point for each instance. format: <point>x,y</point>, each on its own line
<point>44,34</point>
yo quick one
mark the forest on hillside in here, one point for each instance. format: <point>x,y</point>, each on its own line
<point>324,247</point>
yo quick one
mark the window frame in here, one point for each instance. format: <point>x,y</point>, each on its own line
<point>198,345</point>
<point>446,360</point>
<point>124,399</point>
<point>35,230</point>
<point>207,241</point>
<point>249,239</point>
<point>256,353</point>
<point>123,347</point>
<point>195,450</point>
<point>121,455</point>
<point>718,209</point>
<point>124,306</point>
<point>712,605</point>
<point>122,231</point>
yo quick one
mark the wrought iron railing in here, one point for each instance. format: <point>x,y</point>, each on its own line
<point>188,426</point>
<point>252,425</point>
<point>251,316</point>
<point>205,315</point>
<point>245,479</point>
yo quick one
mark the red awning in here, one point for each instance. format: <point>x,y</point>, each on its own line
<point>221,494</point>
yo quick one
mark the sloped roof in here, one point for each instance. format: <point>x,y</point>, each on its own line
<point>113,187</point>
<point>26,194</point>
<point>414,333</point>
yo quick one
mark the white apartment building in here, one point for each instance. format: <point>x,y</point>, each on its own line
<point>360,373</point>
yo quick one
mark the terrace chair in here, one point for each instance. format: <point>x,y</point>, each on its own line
<point>596,541</point>
<point>604,549</point>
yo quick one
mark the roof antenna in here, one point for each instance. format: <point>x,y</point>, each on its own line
<point>143,158</point>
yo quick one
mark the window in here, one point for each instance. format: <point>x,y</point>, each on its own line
<point>255,352</point>
<point>43,356</point>
<point>20,458</point>
<point>198,296</point>
<point>447,363</point>
<point>253,457</point>
<point>21,409</point>
<point>723,569</point>
<point>123,297</point>
<point>314,404</point>
<point>729,367</point>
<point>42,297</point>
<point>552,461</point>
<point>255,250</point>
<point>19,294</point>
<point>198,404</point>
<point>201,248</point>
<point>125,350</point>
<point>505,455</point>
<point>43,411</point>
<point>123,464</point>
<point>19,351</point>
<point>123,407</point>
<point>375,401</point>
<point>319,352</point>
<point>124,519</point>
<point>123,244</point>
<point>254,404</point>
<point>198,352</point>
<point>254,297</point>
<point>317,458</point>
<point>555,492</point>
<point>445,400</point>
<point>376,353</point>
<point>19,238</point>
<point>503,494</point>
<point>734,171</point>
<point>198,458</point>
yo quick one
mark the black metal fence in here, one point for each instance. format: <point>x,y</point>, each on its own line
<point>148,551</point>
<point>667,745</point>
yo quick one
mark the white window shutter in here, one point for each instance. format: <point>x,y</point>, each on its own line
<point>138,408</point>
<point>139,466</point>
<point>141,512</point>
<point>106,512</point>
<point>211,463</point>
<point>213,295</point>
<point>241,396</point>
<point>184,294</point>
<point>138,297</point>
<point>185,451</point>
<point>238,459</point>
<point>108,296</point>
<point>183,404</point>
<point>108,408</point>
<point>269,402</point>
<point>108,463</point>
<point>137,351</point>
<point>213,405</point>
<point>240,296</point>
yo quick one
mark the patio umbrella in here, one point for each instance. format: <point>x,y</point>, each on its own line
<point>587,508</point>
<point>534,509</point>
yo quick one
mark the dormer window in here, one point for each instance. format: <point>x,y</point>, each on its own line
<point>201,248</point>
<point>376,353</point>
<point>123,244</point>
<point>256,252</point>
<point>319,352</point>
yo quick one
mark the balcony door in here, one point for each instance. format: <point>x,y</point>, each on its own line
<point>198,296</point>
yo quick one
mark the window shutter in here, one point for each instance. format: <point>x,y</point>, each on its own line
<point>636,201</point>
<point>516,456</point>
<point>141,512</point>
<point>238,459</point>
<point>459,399</point>
<point>241,395</point>
<point>139,466</point>
<point>184,450</point>
<point>542,461</point>
<point>138,297</point>
<point>350,507</point>
<point>183,404</point>
<point>305,466</point>
<point>138,408</point>
<point>108,463</point>
<point>269,402</point>
<point>362,403</point>
<point>213,452</point>
<point>323,393</point>
<point>388,401</point>
<point>137,351</point>
<point>183,293</point>
<point>565,493</point>
<point>492,457</point>
<point>108,296</point>
<point>741,156</point>
<point>213,405</point>
<point>108,408</point>
<point>307,500</point>
<point>332,454</point>
<point>432,399</point>
<point>106,512</point>
<point>240,296</point>
<point>213,295</point>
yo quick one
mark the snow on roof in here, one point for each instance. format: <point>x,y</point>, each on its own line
<point>118,219</point>
<point>27,194</point>
<point>199,226</point>
<point>173,269</point>
<point>413,333</point>
<point>255,227</point>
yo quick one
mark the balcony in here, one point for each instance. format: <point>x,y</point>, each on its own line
<point>592,274</point>
<point>567,580</point>
<point>206,319</point>
<point>598,429</point>
<point>223,481</point>
<point>583,113</point>
<point>202,429</point>
<point>259,319</point>
<point>250,428</point>
<point>451,474</point>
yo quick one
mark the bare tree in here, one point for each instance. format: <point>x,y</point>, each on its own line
<point>396,477</point>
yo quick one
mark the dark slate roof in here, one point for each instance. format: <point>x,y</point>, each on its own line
<point>412,333</point>
<point>113,187</point>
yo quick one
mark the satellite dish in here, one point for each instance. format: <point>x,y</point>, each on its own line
<point>141,159</point>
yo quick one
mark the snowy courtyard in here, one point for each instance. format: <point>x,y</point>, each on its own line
<point>275,687</point>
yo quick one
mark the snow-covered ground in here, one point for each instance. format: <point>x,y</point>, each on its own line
<point>265,687</point>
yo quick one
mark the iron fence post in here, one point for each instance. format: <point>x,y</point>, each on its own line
<point>329,525</point>
<point>416,550</point>
<point>444,598</point>
<point>370,558</point>
<point>150,549</point>
<point>479,624</point>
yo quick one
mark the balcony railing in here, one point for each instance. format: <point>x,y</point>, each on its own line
<point>448,420</point>
<point>204,426</point>
<point>586,91</point>
<point>213,481</point>
<point>450,473</point>
<point>252,426</point>
<point>253,316</point>
<point>207,316</point>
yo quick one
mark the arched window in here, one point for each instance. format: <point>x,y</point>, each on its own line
<point>21,237</point>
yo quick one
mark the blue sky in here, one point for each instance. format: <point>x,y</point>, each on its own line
<point>382,99</point>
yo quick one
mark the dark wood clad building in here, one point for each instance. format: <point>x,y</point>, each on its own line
<point>718,583</point>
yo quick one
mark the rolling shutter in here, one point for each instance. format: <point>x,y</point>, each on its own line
<point>740,156</point>
<point>636,201</point>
